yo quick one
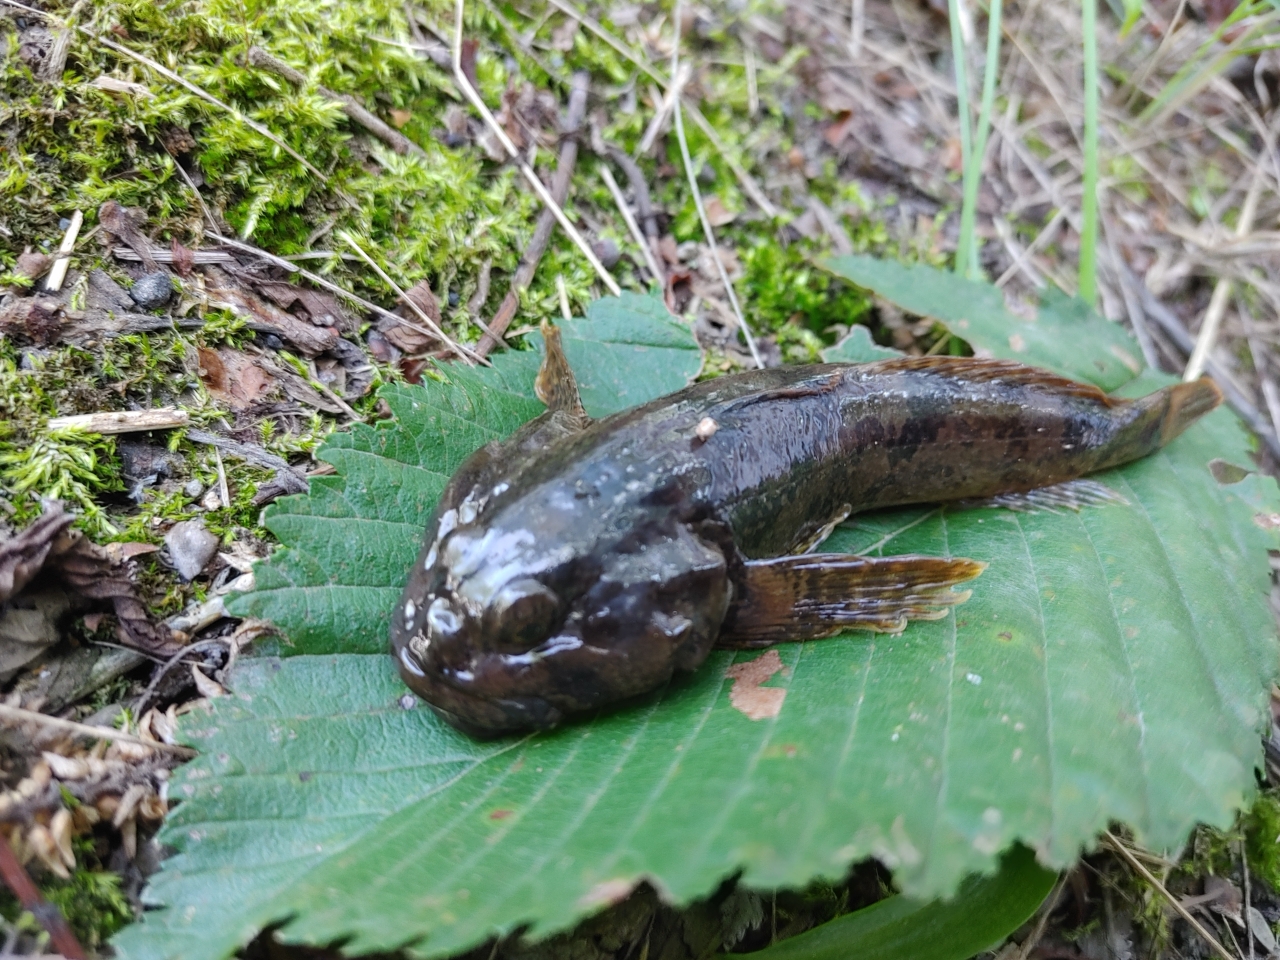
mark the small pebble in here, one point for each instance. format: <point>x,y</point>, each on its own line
<point>193,489</point>
<point>272,342</point>
<point>706,429</point>
<point>607,251</point>
<point>454,299</point>
<point>152,290</point>
<point>191,546</point>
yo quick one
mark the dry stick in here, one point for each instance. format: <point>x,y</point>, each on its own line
<point>663,113</point>
<point>19,715</point>
<point>691,176</point>
<point>432,328</point>
<point>748,183</point>
<point>635,177</point>
<point>1222,290</point>
<point>49,916</point>
<point>393,138</point>
<point>176,78</point>
<point>315,278</point>
<point>470,93</point>
<point>122,421</point>
<point>1173,901</point>
<point>607,176</point>
<point>546,222</point>
<point>59,272</point>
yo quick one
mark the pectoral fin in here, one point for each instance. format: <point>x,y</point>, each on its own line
<point>802,598</point>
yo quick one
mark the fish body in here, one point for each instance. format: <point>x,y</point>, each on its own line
<point>583,562</point>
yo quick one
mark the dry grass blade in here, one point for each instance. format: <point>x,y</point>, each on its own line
<point>18,715</point>
<point>1222,291</point>
<point>625,211</point>
<point>707,231</point>
<point>748,183</point>
<point>1114,843</point>
<point>470,92</point>
<point>59,272</point>
<point>431,328</point>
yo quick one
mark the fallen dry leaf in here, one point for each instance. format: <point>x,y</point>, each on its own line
<point>233,377</point>
<point>717,213</point>
<point>748,696</point>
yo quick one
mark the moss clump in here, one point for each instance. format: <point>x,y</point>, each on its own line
<point>1262,838</point>
<point>786,291</point>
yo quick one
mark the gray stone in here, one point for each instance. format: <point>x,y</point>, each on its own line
<point>152,290</point>
<point>191,546</point>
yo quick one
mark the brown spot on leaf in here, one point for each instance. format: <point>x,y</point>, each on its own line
<point>1227,473</point>
<point>500,814</point>
<point>1267,521</point>
<point>754,701</point>
<point>1005,635</point>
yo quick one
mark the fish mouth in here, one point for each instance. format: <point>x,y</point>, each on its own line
<point>481,717</point>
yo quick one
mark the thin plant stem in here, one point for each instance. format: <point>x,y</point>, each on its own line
<point>973,165</point>
<point>473,97</point>
<point>1087,289</point>
<point>963,245</point>
<point>707,230</point>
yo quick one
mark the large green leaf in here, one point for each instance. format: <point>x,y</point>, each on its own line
<point>1066,335</point>
<point>983,912</point>
<point>1111,665</point>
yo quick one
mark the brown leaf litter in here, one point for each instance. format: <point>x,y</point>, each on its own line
<point>71,564</point>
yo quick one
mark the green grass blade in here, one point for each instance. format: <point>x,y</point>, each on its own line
<point>964,245</point>
<point>973,164</point>
<point>982,914</point>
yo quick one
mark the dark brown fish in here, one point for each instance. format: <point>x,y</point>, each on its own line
<point>583,562</point>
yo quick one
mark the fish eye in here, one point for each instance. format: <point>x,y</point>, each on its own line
<point>524,613</point>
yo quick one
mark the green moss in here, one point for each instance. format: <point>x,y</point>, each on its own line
<point>1262,838</point>
<point>786,293</point>
<point>92,901</point>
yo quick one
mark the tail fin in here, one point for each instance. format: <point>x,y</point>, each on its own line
<point>1188,402</point>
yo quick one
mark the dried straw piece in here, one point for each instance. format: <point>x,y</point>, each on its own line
<point>460,77</point>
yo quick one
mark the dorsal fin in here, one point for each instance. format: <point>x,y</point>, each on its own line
<point>979,370</point>
<point>555,385</point>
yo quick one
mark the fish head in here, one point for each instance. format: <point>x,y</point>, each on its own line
<point>503,629</point>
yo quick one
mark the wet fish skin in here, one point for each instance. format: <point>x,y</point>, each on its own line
<point>582,563</point>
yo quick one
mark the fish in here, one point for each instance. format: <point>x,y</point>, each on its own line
<point>582,563</point>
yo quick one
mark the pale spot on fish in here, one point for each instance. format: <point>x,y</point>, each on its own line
<point>409,610</point>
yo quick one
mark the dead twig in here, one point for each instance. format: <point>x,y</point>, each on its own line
<point>547,219</point>
<point>691,176</point>
<point>393,138</point>
<point>748,183</point>
<point>286,476</point>
<point>49,916</point>
<point>460,77</point>
<point>59,271</point>
<point>122,421</point>
<point>1110,840</point>
<point>625,211</point>
<point>17,715</point>
<point>469,356</point>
